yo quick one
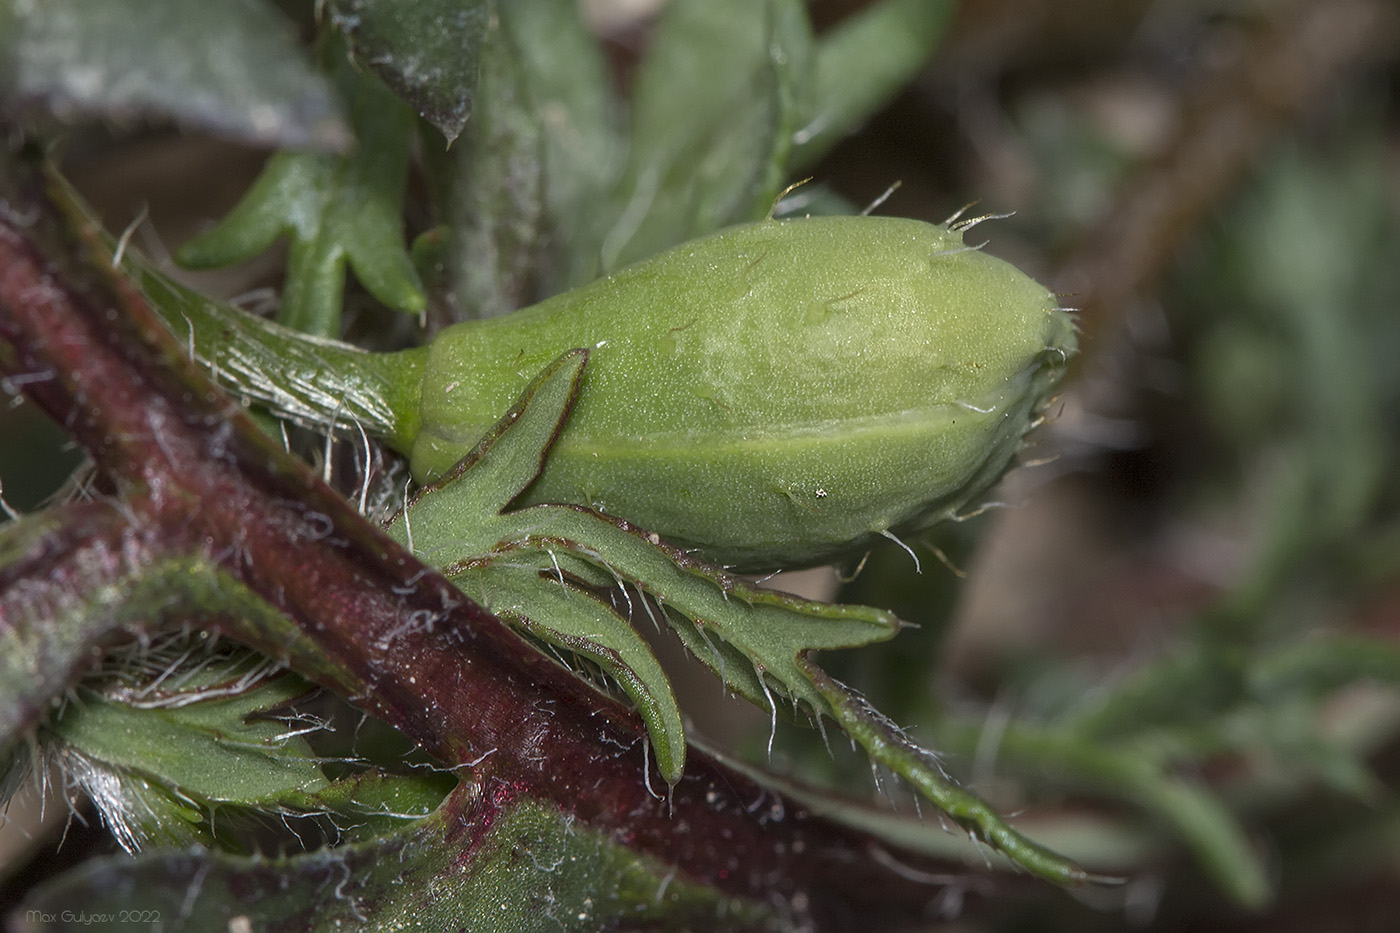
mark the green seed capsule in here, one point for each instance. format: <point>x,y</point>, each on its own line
<point>776,394</point>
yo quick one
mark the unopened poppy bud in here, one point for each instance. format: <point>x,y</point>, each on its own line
<point>773,395</point>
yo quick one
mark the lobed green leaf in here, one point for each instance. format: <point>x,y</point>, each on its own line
<point>338,210</point>
<point>460,523</point>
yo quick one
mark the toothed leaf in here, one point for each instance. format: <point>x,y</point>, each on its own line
<point>572,619</point>
<point>458,523</point>
<point>212,749</point>
<point>337,210</point>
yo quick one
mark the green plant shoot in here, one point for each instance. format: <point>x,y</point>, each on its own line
<point>774,395</point>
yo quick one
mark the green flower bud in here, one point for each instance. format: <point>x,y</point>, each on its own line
<point>776,394</point>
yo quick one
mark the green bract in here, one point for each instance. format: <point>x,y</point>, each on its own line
<point>773,395</point>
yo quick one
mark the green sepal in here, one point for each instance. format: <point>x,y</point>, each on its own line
<point>459,522</point>
<point>561,614</point>
<point>336,209</point>
<point>760,643</point>
<point>521,564</point>
<point>887,744</point>
<point>458,516</point>
<point>769,629</point>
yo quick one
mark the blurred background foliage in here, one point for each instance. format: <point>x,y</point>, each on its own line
<point>1177,651</point>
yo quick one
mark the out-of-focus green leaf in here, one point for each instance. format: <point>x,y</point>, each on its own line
<point>1287,310</point>
<point>1265,712</point>
<point>9,52</point>
<point>715,108</point>
<point>231,67</point>
<point>540,157</point>
<point>336,209</point>
<point>498,201</point>
<point>1135,770</point>
<point>1303,240</point>
<point>862,63</point>
<point>428,51</point>
<point>569,89</point>
<point>534,869</point>
<point>1317,666</point>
